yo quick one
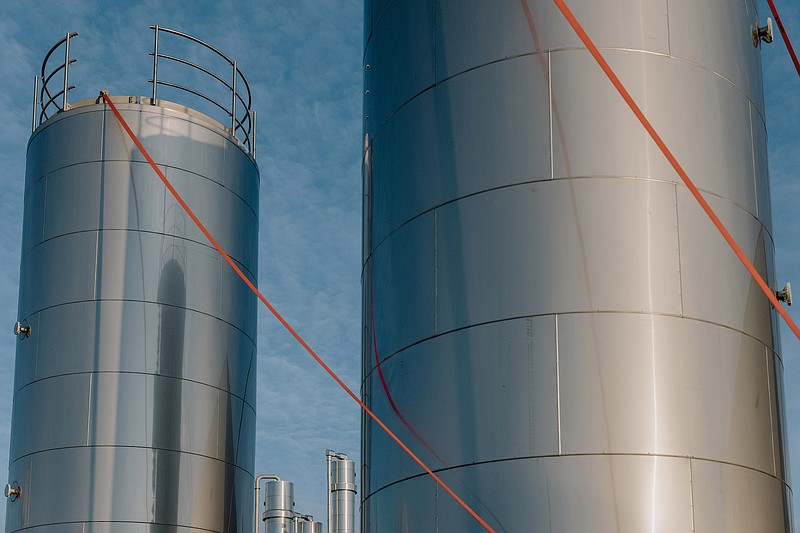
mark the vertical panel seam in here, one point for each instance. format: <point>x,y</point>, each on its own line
<point>691,491</point>
<point>89,410</point>
<point>433,42</point>
<point>678,250</point>
<point>435,271</point>
<point>558,384</point>
<point>550,107</point>
<point>771,414</point>
<point>753,159</point>
<point>669,34</point>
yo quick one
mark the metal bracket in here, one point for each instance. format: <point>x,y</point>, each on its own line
<point>12,491</point>
<point>785,295</point>
<point>20,329</point>
<point>763,33</point>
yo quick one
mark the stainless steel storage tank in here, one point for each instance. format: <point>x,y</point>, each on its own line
<point>562,334</point>
<point>309,526</point>
<point>279,516</point>
<point>135,392</point>
<point>342,495</point>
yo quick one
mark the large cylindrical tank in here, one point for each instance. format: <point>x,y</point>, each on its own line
<point>561,332</point>
<point>135,392</point>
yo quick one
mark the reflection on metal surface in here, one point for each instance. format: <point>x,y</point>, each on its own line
<point>141,373</point>
<point>552,314</point>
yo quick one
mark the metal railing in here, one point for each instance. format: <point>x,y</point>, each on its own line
<point>47,101</point>
<point>242,119</point>
<point>46,77</point>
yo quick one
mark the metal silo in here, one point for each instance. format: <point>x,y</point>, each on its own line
<point>342,491</point>
<point>561,333</point>
<point>135,390</point>
<point>279,516</point>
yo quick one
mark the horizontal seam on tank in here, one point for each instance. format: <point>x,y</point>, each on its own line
<point>135,373</point>
<point>548,51</point>
<point>615,49</point>
<point>144,109</point>
<point>96,300</point>
<point>573,455</point>
<point>132,230</point>
<point>555,180</point>
<point>129,447</point>
<point>51,524</point>
<point>147,165</point>
<point>564,313</point>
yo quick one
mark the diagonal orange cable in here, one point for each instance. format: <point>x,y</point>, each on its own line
<point>674,162</point>
<point>785,36</point>
<point>282,320</point>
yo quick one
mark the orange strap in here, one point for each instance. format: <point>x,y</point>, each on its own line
<point>785,36</point>
<point>674,162</point>
<point>280,318</point>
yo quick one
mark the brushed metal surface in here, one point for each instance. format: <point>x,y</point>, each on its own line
<point>763,198</point>
<point>497,399</point>
<point>722,47</point>
<point>404,261</point>
<point>560,250</point>
<point>404,66</point>
<point>117,336</point>
<point>488,32</point>
<point>33,216</point>
<point>343,496</point>
<point>607,494</point>
<point>59,147</point>
<point>451,144</point>
<point>594,133</point>
<point>122,195</point>
<point>507,184</point>
<point>632,384</point>
<point>733,299</point>
<point>751,500</point>
<point>134,265</point>
<point>141,374</point>
<point>140,499</point>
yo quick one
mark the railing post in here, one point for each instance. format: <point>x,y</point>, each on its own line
<point>254,134</point>
<point>155,66</point>
<point>35,99</point>
<point>66,73</point>
<point>233,101</point>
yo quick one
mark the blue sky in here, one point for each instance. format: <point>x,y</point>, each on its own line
<point>303,61</point>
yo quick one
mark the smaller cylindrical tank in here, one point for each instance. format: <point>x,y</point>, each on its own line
<point>279,516</point>
<point>343,496</point>
<point>309,527</point>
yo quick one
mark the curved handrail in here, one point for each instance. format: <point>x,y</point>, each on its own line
<point>46,76</point>
<point>241,121</point>
<point>238,110</point>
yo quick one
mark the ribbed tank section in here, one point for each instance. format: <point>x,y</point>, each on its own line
<point>135,392</point>
<point>562,333</point>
